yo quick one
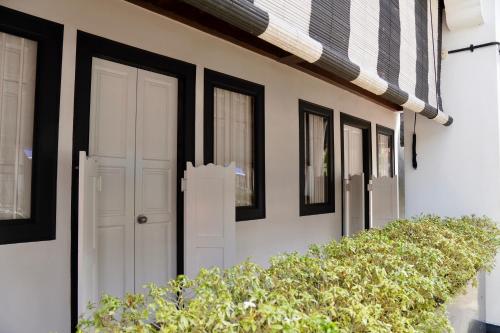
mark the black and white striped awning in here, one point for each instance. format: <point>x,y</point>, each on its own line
<point>383,46</point>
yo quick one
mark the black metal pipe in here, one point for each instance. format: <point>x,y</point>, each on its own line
<point>472,47</point>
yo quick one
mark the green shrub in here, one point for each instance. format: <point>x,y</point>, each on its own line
<point>398,279</point>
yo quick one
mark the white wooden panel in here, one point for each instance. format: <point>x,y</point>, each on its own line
<point>155,178</point>
<point>209,213</point>
<point>155,254</point>
<point>112,262</point>
<point>113,105</point>
<point>385,201</point>
<point>355,194</point>
<point>112,142</point>
<point>87,232</point>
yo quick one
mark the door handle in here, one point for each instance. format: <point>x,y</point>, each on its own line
<point>141,219</point>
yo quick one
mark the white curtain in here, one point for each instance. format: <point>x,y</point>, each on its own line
<point>384,156</point>
<point>17,96</point>
<point>316,167</point>
<point>233,139</point>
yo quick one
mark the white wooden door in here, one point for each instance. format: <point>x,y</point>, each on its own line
<point>354,182</point>
<point>133,137</point>
<point>209,215</point>
<point>88,185</point>
<point>155,178</point>
<point>112,141</point>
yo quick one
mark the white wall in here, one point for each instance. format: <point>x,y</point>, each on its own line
<point>459,166</point>
<point>35,277</point>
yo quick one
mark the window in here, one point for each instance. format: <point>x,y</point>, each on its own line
<point>385,152</point>
<point>234,131</point>
<point>30,69</point>
<point>316,159</point>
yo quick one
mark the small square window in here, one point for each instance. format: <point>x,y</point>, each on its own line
<point>316,159</point>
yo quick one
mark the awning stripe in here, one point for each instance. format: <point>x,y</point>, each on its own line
<point>389,36</point>
<point>421,29</point>
<point>317,30</point>
<point>330,24</point>
<point>408,48</point>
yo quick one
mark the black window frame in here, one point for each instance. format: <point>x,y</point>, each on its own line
<point>329,205</point>
<point>41,226</point>
<point>390,133</point>
<point>214,80</point>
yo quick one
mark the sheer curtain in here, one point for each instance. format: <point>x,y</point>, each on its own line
<point>233,140</point>
<point>316,167</point>
<point>384,156</point>
<point>17,98</point>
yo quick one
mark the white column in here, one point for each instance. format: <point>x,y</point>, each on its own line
<point>459,166</point>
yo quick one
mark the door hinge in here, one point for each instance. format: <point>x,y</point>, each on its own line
<point>369,187</point>
<point>183,184</point>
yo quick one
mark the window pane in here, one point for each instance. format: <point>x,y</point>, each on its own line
<point>233,140</point>
<point>316,159</point>
<point>17,97</point>
<point>384,155</point>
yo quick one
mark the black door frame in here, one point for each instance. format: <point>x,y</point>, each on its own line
<point>89,46</point>
<point>366,128</point>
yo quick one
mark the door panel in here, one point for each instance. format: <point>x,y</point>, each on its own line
<point>112,142</point>
<point>155,178</point>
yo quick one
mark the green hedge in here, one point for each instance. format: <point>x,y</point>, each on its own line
<point>398,279</point>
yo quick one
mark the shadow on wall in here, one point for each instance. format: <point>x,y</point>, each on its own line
<point>467,312</point>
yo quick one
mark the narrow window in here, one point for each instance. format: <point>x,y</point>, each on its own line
<point>17,79</point>
<point>316,159</point>
<point>234,132</point>
<point>30,69</point>
<point>385,152</point>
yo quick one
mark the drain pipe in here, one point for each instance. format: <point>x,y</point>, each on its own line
<point>472,47</point>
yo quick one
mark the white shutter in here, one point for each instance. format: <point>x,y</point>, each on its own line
<point>88,184</point>
<point>354,202</point>
<point>385,201</point>
<point>209,217</point>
